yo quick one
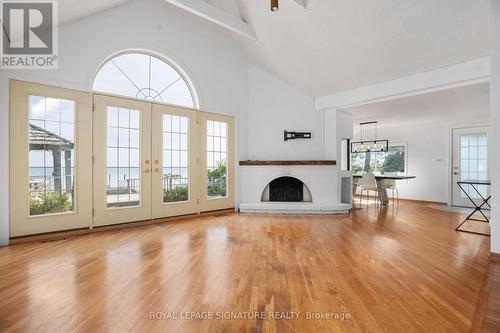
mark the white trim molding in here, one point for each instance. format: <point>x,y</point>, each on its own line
<point>459,75</point>
<point>217,16</point>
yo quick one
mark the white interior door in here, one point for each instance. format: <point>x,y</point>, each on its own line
<point>175,186</point>
<point>50,159</point>
<point>470,162</point>
<point>122,160</point>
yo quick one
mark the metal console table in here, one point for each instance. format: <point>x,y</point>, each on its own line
<point>477,208</point>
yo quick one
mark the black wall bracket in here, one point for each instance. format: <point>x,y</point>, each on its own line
<point>296,135</point>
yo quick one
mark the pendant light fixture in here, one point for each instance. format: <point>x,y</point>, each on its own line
<point>365,146</point>
<point>274,5</point>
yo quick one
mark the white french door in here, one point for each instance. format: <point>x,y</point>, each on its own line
<point>122,160</point>
<point>153,161</point>
<point>175,185</point>
<point>470,162</point>
<point>79,160</point>
<point>50,159</point>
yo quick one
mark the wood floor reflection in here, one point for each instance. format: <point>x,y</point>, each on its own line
<point>395,269</point>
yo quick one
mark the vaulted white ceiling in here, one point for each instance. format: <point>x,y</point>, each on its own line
<point>336,45</point>
<point>72,10</point>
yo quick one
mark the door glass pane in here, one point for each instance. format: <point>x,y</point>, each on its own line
<point>51,155</point>
<point>175,158</point>
<point>216,159</point>
<point>474,162</point>
<point>123,187</point>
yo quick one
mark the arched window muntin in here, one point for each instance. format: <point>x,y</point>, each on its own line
<point>158,66</point>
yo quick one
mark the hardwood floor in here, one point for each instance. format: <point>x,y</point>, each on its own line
<point>487,316</point>
<point>392,269</point>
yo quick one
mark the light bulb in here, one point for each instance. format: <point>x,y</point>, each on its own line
<point>274,5</point>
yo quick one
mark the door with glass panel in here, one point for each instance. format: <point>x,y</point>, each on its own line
<point>50,159</point>
<point>470,162</point>
<point>122,160</point>
<point>216,161</point>
<point>174,182</point>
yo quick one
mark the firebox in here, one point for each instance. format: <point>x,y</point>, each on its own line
<point>287,189</point>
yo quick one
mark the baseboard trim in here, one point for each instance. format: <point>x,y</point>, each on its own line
<point>425,202</point>
<point>357,196</point>
<point>495,257</point>
<point>56,235</point>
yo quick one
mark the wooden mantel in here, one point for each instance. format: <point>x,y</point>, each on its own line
<point>288,162</point>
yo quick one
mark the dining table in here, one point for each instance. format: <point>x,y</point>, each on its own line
<point>382,193</point>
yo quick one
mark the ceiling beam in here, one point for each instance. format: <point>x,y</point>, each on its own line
<point>460,75</point>
<point>217,16</point>
<point>301,3</point>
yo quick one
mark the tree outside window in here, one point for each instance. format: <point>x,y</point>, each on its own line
<point>380,162</point>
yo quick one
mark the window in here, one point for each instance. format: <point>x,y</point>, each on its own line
<point>51,155</point>
<point>474,162</point>
<point>216,159</point>
<point>146,77</point>
<point>392,161</point>
<point>123,157</point>
<point>175,158</point>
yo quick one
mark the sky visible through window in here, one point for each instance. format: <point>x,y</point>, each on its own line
<point>143,76</point>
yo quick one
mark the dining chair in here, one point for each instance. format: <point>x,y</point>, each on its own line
<point>369,183</point>
<point>355,184</point>
<point>390,184</point>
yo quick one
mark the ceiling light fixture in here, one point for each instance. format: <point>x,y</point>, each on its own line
<point>274,5</point>
<point>365,146</point>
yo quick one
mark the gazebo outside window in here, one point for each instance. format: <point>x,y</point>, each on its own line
<point>51,155</point>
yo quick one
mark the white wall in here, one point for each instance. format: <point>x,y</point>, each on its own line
<point>427,159</point>
<point>209,55</point>
<point>344,130</point>
<point>338,125</point>
<point>330,136</point>
<point>274,107</point>
<point>429,149</point>
<point>495,122</point>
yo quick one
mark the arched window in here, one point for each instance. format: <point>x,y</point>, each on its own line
<point>144,76</point>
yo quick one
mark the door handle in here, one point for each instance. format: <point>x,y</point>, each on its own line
<point>147,171</point>
<point>157,170</point>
